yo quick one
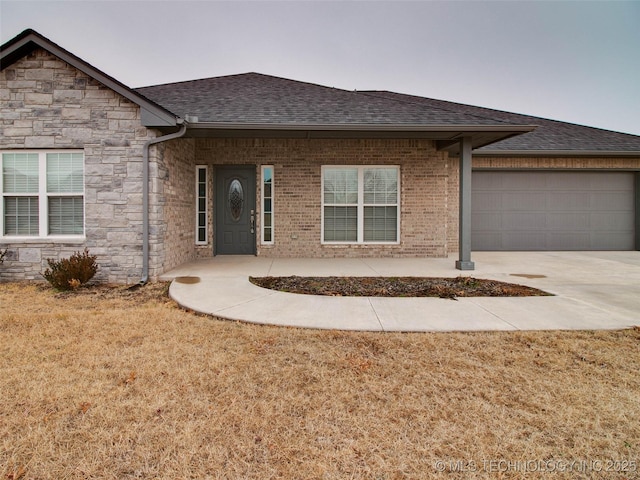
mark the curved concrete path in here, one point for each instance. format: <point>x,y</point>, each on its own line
<point>593,290</point>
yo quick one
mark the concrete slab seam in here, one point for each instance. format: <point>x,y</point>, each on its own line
<point>376,314</point>
<point>246,302</point>
<point>270,267</point>
<point>378,274</point>
<point>492,313</point>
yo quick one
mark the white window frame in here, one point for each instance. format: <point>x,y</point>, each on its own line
<point>262,209</point>
<point>200,168</point>
<point>360,206</point>
<point>43,199</point>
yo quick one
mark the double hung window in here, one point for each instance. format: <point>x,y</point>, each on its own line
<point>42,194</point>
<point>360,204</point>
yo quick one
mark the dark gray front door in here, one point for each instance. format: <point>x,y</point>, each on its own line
<point>235,210</point>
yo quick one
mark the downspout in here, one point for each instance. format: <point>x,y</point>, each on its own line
<point>145,196</point>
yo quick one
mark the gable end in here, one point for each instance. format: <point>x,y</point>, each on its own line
<point>152,114</point>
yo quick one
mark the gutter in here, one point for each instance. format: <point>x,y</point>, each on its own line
<point>145,195</point>
<point>382,127</point>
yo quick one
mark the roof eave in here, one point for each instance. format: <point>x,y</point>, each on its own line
<point>447,137</point>
<point>387,127</point>
<point>152,114</point>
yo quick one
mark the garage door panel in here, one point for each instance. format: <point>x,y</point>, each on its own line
<point>523,241</point>
<point>553,211</point>
<point>487,201</point>
<point>575,201</point>
<point>570,240</point>
<point>487,239</point>
<point>562,181</point>
<point>568,221</point>
<point>612,201</point>
<point>606,241</point>
<point>486,221</point>
<point>610,222</point>
<point>519,221</point>
<point>529,183</point>
<point>524,200</point>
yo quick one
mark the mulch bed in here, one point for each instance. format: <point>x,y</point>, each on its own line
<point>396,287</point>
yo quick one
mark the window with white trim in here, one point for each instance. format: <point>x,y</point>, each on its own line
<point>42,194</point>
<point>201,205</point>
<point>267,205</point>
<point>360,204</point>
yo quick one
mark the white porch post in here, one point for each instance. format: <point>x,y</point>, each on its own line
<point>464,230</point>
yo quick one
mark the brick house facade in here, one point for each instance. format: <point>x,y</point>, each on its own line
<point>52,102</point>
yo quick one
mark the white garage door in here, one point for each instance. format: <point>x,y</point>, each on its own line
<point>553,211</point>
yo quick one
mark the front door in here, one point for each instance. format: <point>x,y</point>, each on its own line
<point>235,210</point>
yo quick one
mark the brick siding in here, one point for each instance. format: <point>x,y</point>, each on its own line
<point>172,223</point>
<point>596,163</point>
<point>424,179</point>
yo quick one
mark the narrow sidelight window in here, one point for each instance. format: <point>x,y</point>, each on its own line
<point>201,205</point>
<point>267,205</point>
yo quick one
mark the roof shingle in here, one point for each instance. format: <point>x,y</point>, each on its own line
<point>253,98</point>
<point>551,135</point>
<point>257,99</point>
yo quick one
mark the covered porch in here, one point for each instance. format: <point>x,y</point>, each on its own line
<point>283,212</point>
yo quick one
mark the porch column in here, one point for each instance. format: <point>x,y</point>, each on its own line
<point>464,209</point>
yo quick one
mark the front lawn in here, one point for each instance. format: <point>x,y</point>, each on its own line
<point>117,383</point>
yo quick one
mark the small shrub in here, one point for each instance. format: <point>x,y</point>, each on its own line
<point>70,273</point>
<point>3,253</point>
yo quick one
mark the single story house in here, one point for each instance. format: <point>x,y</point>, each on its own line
<point>251,164</point>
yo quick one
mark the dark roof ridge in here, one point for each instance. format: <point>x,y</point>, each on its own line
<point>245,74</point>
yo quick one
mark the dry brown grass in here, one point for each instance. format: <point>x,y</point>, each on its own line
<point>123,384</point>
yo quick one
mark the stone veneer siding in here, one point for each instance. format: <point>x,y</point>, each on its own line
<point>424,180</point>
<point>47,104</point>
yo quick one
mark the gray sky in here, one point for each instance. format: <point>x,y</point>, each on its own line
<point>572,61</point>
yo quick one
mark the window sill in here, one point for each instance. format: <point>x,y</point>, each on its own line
<point>34,240</point>
<point>354,244</point>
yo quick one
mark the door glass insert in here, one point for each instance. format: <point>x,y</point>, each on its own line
<point>235,199</point>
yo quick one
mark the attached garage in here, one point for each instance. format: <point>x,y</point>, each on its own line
<point>553,210</point>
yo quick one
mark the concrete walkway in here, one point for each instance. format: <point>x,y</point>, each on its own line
<point>593,290</point>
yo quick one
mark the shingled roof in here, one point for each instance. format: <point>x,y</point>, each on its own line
<point>254,98</point>
<point>551,136</point>
<point>257,99</point>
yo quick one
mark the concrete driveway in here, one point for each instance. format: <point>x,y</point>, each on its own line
<point>592,290</point>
